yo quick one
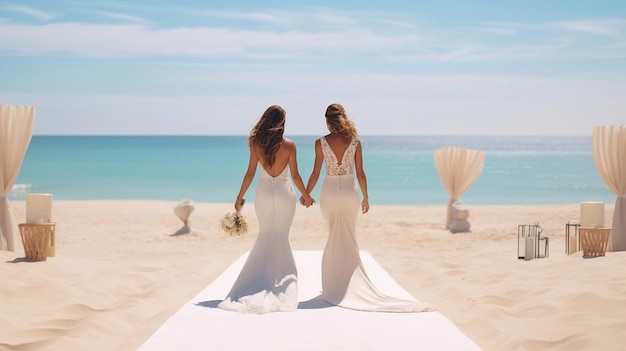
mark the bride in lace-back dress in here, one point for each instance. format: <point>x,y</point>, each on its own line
<point>344,280</point>
<point>268,281</point>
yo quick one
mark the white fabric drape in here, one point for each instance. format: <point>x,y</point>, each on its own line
<point>609,155</point>
<point>458,168</point>
<point>16,130</point>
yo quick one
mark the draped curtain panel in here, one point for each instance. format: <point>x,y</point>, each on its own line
<point>458,168</point>
<point>609,155</point>
<point>16,130</point>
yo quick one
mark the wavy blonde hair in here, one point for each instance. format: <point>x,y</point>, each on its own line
<point>338,121</point>
<point>268,133</point>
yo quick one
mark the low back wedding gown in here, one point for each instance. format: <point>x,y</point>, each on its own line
<point>268,281</point>
<point>344,280</point>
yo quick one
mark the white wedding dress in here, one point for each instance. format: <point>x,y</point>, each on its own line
<point>344,280</point>
<point>268,281</point>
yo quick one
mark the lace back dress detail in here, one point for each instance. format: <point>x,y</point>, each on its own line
<point>333,166</point>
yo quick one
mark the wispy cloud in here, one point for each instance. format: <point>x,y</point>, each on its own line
<point>487,53</point>
<point>124,40</point>
<point>37,14</point>
<point>272,17</point>
<point>495,41</point>
<point>602,27</point>
<point>496,28</point>
<point>310,19</point>
<point>399,24</point>
<point>327,17</point>
<point>120,16</point>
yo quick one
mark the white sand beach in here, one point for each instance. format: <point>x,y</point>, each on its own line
<point>119,274</point>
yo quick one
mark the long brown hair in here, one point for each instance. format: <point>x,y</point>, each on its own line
<point>338,121</point>
<point>268,133</point>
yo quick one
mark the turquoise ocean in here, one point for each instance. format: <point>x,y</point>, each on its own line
<point>400,169</point>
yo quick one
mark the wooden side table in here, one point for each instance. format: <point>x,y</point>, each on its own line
<point>38,240</point>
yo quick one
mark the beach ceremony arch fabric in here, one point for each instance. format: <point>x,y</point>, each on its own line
<point>16,130</point>
<point>609,155</point>
<point>458,168</point>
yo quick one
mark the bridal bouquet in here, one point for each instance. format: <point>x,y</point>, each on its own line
<point>234,223</point>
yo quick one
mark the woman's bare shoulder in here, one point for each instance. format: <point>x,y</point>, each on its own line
<point>288,146</point>
<point>289,143</point>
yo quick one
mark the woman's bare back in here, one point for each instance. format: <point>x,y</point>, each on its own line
<point>281,159</point>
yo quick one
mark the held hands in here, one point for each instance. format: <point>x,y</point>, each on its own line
<point>365,205</point>
<point>306,202</point>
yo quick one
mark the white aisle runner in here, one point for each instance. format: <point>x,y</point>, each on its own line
<point>200,325</point>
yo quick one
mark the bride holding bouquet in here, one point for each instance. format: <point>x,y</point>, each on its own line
<point>268,281</point>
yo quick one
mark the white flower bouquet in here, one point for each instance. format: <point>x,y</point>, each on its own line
<point>234,223</point>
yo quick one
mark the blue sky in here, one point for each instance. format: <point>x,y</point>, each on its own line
<point>399,67</point>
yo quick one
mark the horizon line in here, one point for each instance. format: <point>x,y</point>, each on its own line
<point>317,135</point>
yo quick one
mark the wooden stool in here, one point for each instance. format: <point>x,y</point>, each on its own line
<point>38,240</point>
